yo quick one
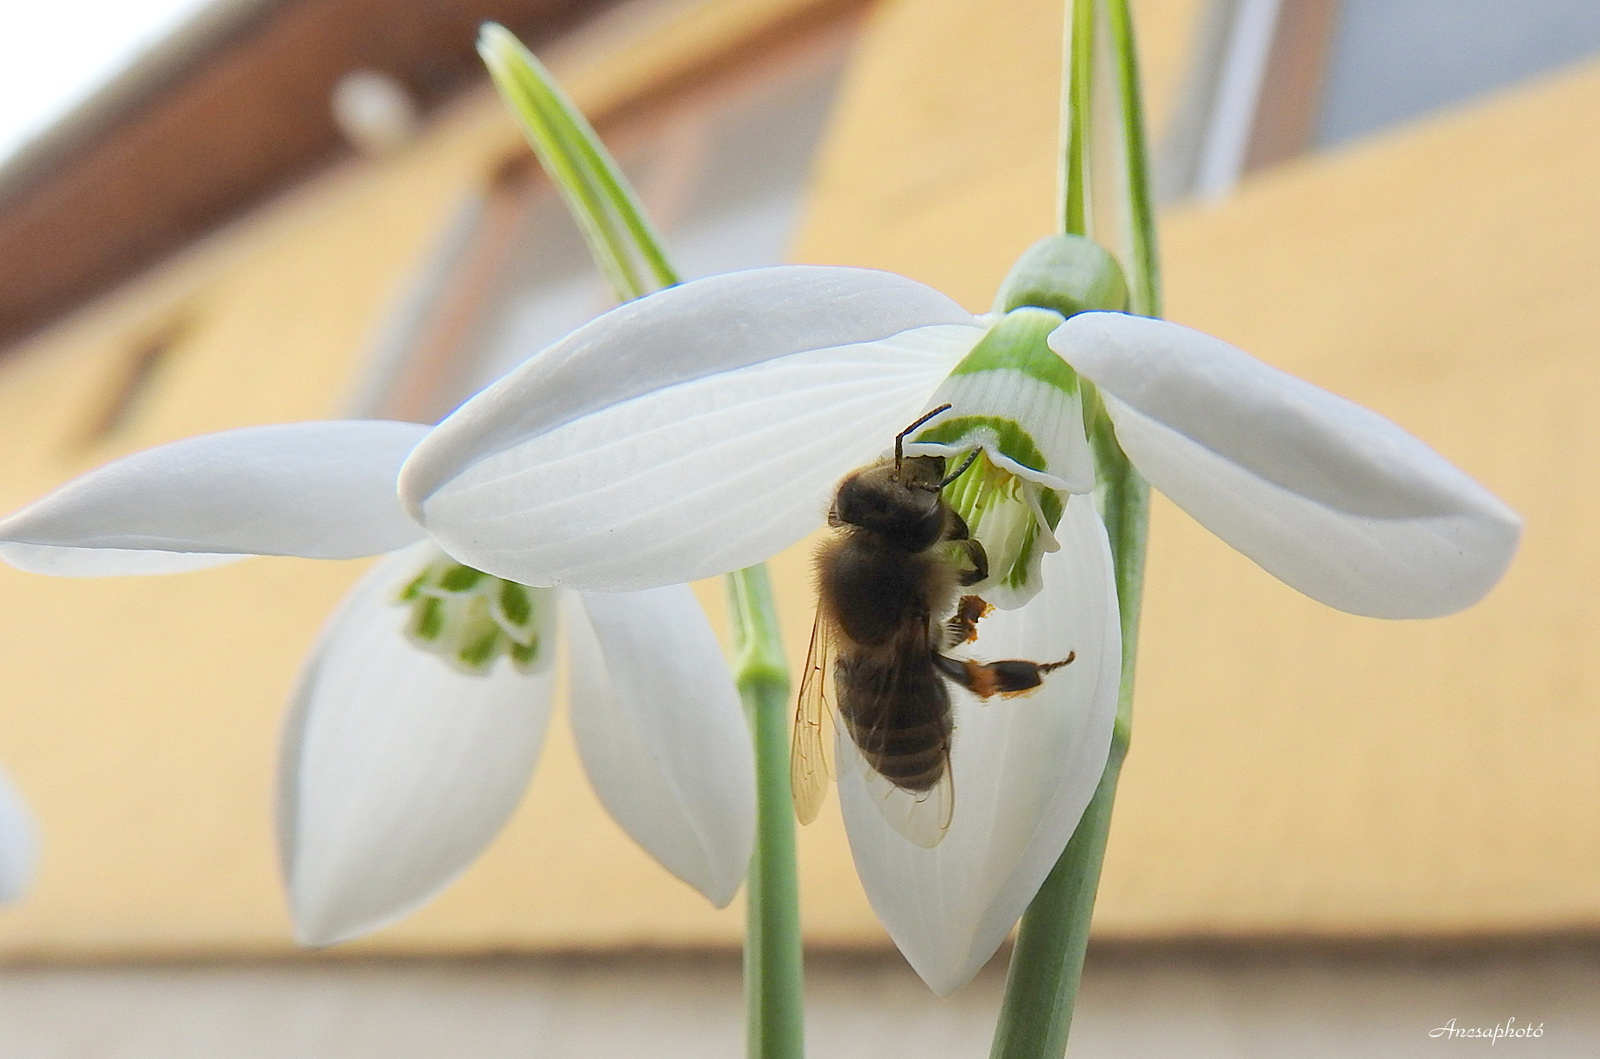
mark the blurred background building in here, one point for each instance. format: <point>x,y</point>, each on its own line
<point>1333,835</point>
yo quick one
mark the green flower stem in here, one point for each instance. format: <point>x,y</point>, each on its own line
<point>1047,961</point>
<point>775,1017</point>
<point>1143,267</point>
<point>1077,86</point>
<point>629,252</point>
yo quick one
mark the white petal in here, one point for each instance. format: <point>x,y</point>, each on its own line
<point>1328,496</point>
<point>1023,768</point>
<point>398,769</point>
<point>107,562</point>
<point>19,843</point>
<point>694,480</point>
<point>662,734</point>
<point>676,335</point>
<point>320,490</point>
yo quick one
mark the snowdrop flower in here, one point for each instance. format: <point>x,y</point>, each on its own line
<point>711,422</point>
<point>420,713</point>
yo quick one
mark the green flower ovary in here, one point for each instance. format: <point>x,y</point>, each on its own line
<point>470,618</point>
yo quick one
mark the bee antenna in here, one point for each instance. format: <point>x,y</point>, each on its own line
<point>959,471</point>
<point>899,439</point>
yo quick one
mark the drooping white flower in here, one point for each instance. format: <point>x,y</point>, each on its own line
<point>421,710</point>
<point>709,424</point>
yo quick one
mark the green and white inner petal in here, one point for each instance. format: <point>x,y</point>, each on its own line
<point>1022,406</point>
<point>471,619</point>
<point>399,767</point>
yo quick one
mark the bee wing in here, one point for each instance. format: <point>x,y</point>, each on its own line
<point>921,816</point>
<point>809,768</point>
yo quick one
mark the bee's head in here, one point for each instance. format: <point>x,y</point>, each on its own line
<point>897,499</point>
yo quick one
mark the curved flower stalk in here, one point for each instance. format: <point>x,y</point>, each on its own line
<point>782,380</point>
<point>420,713</point>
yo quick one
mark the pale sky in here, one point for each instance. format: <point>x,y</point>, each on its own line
<point>55,53</point>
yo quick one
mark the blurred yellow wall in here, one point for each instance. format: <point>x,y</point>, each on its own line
<point>1294,770</point>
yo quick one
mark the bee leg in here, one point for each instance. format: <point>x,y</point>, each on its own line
<point>963,627</point>
<point>957,532</point>
<point>986,679</point>
<point>980,563</point>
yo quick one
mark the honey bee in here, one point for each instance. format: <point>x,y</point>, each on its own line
<point>888,608</point>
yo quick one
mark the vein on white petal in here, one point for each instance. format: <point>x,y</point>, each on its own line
<point>397,769</point>
<point>662,734</point>
<point>1023,768</point>
<point>321,490</point>
<point>706,476</point>
<point>705,327</point>
<point>1332,498</point>
<point>746,506</point>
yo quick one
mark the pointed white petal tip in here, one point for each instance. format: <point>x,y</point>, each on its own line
<point>319,490</point>
<point>712,474</point>
<point>1023,769</point>
<point>1331,498</point>
<point>397,769</point>
<point>662,734</point>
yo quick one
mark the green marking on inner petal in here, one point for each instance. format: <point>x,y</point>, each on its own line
<point>1008,438</point>
<point>427,618</point>
<point>514,601</point>
<point>526,656</point>
<point>1016,575</point>
<point>1050,503</point>
<point>460,578</point>
<point>412,590</point>
<point>480,652</point>
<point>995,504</point>
<point>1017,343</point>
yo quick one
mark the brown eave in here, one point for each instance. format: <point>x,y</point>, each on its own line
<point>231,110</point>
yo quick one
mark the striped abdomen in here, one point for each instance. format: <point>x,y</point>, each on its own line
<point>897,711</point>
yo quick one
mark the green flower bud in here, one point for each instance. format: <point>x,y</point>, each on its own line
<point>1066,273</point>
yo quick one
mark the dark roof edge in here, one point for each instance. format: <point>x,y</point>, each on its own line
<point>153,72</point>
